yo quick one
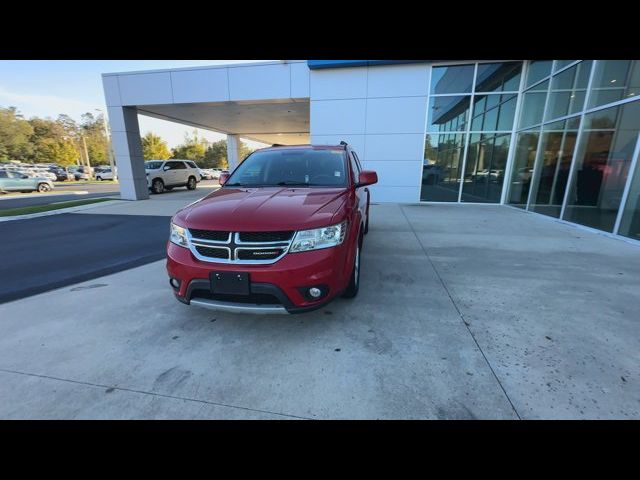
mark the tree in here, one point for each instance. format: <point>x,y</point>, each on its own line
<point>15,133</point>
<point>92,128</point>
<point>52,143</point>
<point>193,148</point>
<point>216,155</point>
<point>154,148</point>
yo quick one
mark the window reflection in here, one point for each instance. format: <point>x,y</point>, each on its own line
<point>552,167</point>
<point>602,165</point>
<point>448,113</point>
<point>523,163</point>
<point>441,167</point>
<point>498,77</point>
<point>614,80</point>
<point>630,224</point>
<point>562,63</point>
<point>493,112</point>
<point>484,170</point>
<point>454,79</point>
<point>533,102</point>
<point>538,69</point>
<point>568,91</point>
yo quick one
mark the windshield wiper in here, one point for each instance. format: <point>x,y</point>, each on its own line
<point>296,184</point>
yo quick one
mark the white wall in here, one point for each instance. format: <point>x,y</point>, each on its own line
<point>238,82</point>
<point>381,111</point>
<point>125,91</point>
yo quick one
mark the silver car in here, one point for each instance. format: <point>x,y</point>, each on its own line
<point>19,182</point>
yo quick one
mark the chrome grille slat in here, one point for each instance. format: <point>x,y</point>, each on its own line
<point>237,251</point>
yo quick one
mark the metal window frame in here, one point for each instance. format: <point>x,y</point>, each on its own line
<point>627,187</point>
<point>535,176</point>
<point>466,140</point>
<point>579,139</point>
<point>510,157</point>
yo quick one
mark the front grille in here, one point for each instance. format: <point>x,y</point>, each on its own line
<point>213,252</point>
<point>258,237</point>
<point>257,254</point>
<point>214,235</point>
<point>239,247</point>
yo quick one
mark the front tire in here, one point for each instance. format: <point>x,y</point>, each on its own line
<point>354,282</point>
<point>157,186</point>
<point>43,187</point>
<point>191,183</point>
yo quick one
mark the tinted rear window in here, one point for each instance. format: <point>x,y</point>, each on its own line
<point>152,165</point>
<point>313,168</point>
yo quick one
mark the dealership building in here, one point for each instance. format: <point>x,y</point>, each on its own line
<point>556,137</point>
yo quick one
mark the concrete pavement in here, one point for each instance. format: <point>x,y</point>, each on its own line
<point>464,312</point>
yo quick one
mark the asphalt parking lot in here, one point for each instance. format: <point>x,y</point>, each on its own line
<point>61,193</point>
<point>461,314</point>
<point>44,253</point>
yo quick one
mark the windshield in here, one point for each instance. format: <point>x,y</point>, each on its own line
<point>152,165</point>
<point>296,167</point>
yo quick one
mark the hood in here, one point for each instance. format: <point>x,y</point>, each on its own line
<point>265,209</point>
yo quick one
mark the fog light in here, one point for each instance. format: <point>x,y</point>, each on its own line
<point>315,292</point>
<point>175,283</point>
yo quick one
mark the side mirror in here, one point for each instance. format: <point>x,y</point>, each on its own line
<point>224,176</point>
<point>166,167</point>
<point>367,177</point>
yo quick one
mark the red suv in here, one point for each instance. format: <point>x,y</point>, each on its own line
<point>283,234</point>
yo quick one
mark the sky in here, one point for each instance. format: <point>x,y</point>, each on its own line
<point>47,88</point>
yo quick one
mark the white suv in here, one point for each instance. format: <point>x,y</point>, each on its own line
<point>165,174</point>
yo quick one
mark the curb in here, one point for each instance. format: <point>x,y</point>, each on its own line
<point>60,210</point>
<point>40,195</point>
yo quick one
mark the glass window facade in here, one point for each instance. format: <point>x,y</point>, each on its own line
<point>630,225</point>
<point>614,80</point>
<point>602,165</point>
<point>556,137</point>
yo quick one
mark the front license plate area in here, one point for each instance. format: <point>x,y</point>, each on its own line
<point>229,283</point>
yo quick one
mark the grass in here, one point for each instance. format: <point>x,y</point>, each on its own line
<point>86,182</point>
<point>52,206</point>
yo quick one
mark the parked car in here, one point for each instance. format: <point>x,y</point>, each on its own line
<point>205,173</point>
<point>17,182</point>
<point>62,175</point>
<point>431,174</point>
<point>83,173</point>
<point>282,235</point>
<point>164,175</point>
<point>41,172</point>
<point>192,164</point>
<point>106,174</point>
<point>215,172</point>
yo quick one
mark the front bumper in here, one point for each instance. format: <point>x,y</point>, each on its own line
<point>283,281</point>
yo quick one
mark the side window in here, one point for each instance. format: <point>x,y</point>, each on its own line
<point>170,165</point>
<point>180,166</point>
<point>192,164</point>
<point>3,175</point>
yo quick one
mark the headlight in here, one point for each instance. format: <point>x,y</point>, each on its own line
<point>178,235</point>
<point>318,238</point>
